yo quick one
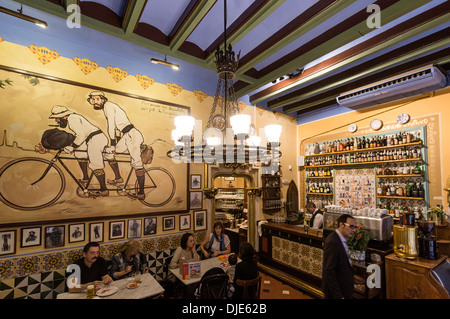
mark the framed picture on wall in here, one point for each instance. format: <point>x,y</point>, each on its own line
<point>185,222</point>
<point>96,232</point>
<point>200,220</point>
<point>8,242</point>
<point>169,223</point>
<point>54,236</point>
<point>134,228</point>
<point>150,226</point>
<point>196,181</point>
<point>196,200</point>
<point>31,237</point>
<point>117,229</point>
<point>76,233</point>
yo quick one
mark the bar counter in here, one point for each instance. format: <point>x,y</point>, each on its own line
<point>293,255</point>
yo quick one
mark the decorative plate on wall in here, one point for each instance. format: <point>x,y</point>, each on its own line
<point>403,118</point>
<point>376,124</point>
<point>352,128</point>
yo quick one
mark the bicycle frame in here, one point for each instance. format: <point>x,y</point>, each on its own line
<point>58,158</point>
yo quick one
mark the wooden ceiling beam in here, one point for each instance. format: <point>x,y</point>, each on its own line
<point>132,16</point>
<point>342,33</point>
<point>391,13</point>
<point>364,49</point>
<point>311,103</point>
<point>195,16</point>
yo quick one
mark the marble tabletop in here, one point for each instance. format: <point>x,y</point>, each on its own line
<point>148,287</point>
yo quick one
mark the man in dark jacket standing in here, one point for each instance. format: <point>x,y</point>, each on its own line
<point>337,271</point>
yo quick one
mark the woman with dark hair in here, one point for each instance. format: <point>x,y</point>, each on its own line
<point>217,243</point>
<point>185,252</point>
<point>247,269</point>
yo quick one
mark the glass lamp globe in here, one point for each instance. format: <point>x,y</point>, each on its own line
<point>240,123</point>
<point>273,133</point>
<point>184,124</point>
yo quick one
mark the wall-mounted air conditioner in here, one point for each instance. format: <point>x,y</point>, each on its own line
<point>419,81</point>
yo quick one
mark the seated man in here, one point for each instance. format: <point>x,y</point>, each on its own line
<point>94,269</point>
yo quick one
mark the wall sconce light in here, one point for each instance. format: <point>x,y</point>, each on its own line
<point>172,65</point>
<point>19,14</point>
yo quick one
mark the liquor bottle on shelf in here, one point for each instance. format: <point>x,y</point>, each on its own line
<point>421,191</point>
<point>414,190</point>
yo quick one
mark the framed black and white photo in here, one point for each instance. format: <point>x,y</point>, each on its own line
<point>117,230</point>
<point>195,200</point>
<point>200,220</point>
<point>76,233</point>
<point>134,228</point>
<point>150,226</point>
<point>185,222</point>
<point>8,242</point>
<point>196,181</point>
<point>169,223</point>
<point>31,237</point>
<point>54,236</point>
<point>96,232</point>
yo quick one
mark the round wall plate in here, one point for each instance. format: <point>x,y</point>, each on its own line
<point>403,118</point>
<point>352,128</point>
<point>376,124</point>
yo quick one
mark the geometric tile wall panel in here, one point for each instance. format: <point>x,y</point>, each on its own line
<point>299,256</point>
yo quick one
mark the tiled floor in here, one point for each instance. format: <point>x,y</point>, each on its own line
<point>274,289</point>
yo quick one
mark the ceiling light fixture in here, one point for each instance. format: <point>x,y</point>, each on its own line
<point>172,65</point>
<point>240,145</point>
<point>19,14</point>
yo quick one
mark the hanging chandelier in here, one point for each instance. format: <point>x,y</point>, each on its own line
<point>240,145</point>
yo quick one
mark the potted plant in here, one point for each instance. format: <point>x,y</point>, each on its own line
<point>436,214</point>
<point>357,244</point>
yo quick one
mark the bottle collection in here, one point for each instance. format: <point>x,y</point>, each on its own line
<point>401,189</point>
<point>320,172</point>
<point>319,188</point>
<point>399,176</point>
<point>403,169</point>
<point>384,155</point>
<point>398,209</point>
<point>359,143</point>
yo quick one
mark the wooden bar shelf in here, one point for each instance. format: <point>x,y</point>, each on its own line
<point>401,197</point>
<point>323,194</point>
<point>368,163</point>
<point>406,175</point>
<point>367,149</point>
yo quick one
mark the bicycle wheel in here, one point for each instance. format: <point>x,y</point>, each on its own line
<point>17,177</point>
<point>159,187</point>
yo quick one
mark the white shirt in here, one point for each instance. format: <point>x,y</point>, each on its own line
<point>318,220</point>
<point>116,117</point>
<point>344,242</point>
<point>81,127</point>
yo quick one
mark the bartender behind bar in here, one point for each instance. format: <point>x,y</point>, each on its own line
<point>316,221</point>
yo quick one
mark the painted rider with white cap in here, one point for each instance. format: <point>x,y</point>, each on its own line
<point>130,139</point>
<point>89,139</point>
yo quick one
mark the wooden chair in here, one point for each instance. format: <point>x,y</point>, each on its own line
<point>251,288</point>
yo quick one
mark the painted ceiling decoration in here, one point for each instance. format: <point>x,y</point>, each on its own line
<point>295,56</point>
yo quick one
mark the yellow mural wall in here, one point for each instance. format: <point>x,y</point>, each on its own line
<point>46,61</point>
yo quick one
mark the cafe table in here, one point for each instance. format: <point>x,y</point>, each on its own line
<point>205,265</point>
<point>149,287</point>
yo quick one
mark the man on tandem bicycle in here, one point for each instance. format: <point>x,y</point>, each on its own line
<point>89,141</point>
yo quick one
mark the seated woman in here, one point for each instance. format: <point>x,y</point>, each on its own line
<point>217,243</point>
<point>247,269</point>
<point>127,262</point>
<point>185,252</point>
